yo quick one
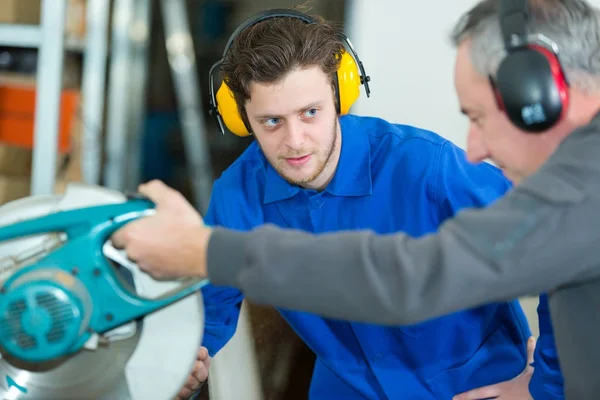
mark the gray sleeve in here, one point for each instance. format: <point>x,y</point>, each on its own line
<point>531,241</point>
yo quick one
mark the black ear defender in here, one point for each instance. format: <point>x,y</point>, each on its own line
<point>530,85</point>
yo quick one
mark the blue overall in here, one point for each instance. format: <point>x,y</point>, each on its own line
<point>390,178</point>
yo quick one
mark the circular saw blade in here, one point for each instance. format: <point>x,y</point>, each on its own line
<point>153,363</point>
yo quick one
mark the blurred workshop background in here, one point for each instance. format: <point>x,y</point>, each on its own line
<point>115,92</point>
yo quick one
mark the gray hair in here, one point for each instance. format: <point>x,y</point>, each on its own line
<point>572,25</point>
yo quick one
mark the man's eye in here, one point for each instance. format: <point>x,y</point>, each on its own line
<point>476,121</point>
<point>311,113</point>
<point>272,122</point>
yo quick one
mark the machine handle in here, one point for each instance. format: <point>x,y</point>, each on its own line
<point>106,218</point>
<point>89,229</point>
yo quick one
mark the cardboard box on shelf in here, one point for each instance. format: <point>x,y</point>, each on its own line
<point>17,161</point>
<point>18,187</point>
<point>15,183</point>
<point>20,12</point>
<point>28,12</point>
<point>15,187</point>
<point>75,20</point>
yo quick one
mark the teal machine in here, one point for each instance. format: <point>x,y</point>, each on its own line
<point>70,301</point>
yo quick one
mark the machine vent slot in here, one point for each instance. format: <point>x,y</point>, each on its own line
<point>12,329</point>
<point>61,313</point>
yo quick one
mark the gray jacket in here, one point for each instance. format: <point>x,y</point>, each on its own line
<point>543,236</point>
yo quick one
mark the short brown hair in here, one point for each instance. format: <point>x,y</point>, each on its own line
<point>270,49</point>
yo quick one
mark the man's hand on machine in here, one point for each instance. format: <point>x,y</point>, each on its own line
<point>197,377</point>
<point>171,243</point>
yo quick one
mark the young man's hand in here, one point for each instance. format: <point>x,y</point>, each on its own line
<point>197,377</point>
<point>514,389</point>
<point>169,244</point>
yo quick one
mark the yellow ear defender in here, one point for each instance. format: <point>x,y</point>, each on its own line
<point>350,75</point>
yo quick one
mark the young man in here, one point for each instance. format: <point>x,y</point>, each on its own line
<point>313,170</point>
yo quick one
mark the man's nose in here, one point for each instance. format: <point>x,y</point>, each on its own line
<point>476,149</point>
<point>294,137</point>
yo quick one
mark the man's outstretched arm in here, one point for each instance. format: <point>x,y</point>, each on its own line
<point>520,245</point>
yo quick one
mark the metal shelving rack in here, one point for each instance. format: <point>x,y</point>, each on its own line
<point>49,38</point>
<point>127,72</point>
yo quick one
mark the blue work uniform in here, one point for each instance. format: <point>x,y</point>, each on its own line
<point>390,178</point>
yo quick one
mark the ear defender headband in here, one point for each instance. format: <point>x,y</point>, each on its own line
<point>350,75</point>
<point>530,85</point>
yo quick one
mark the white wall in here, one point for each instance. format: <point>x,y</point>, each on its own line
<point>412,68</point>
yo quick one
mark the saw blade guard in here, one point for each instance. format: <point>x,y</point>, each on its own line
<point>66,292</point>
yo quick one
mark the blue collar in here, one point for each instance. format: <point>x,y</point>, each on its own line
<point>353,174</point>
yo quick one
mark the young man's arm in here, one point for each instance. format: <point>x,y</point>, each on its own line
<point>222,305</point>
<point>461,185</point>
